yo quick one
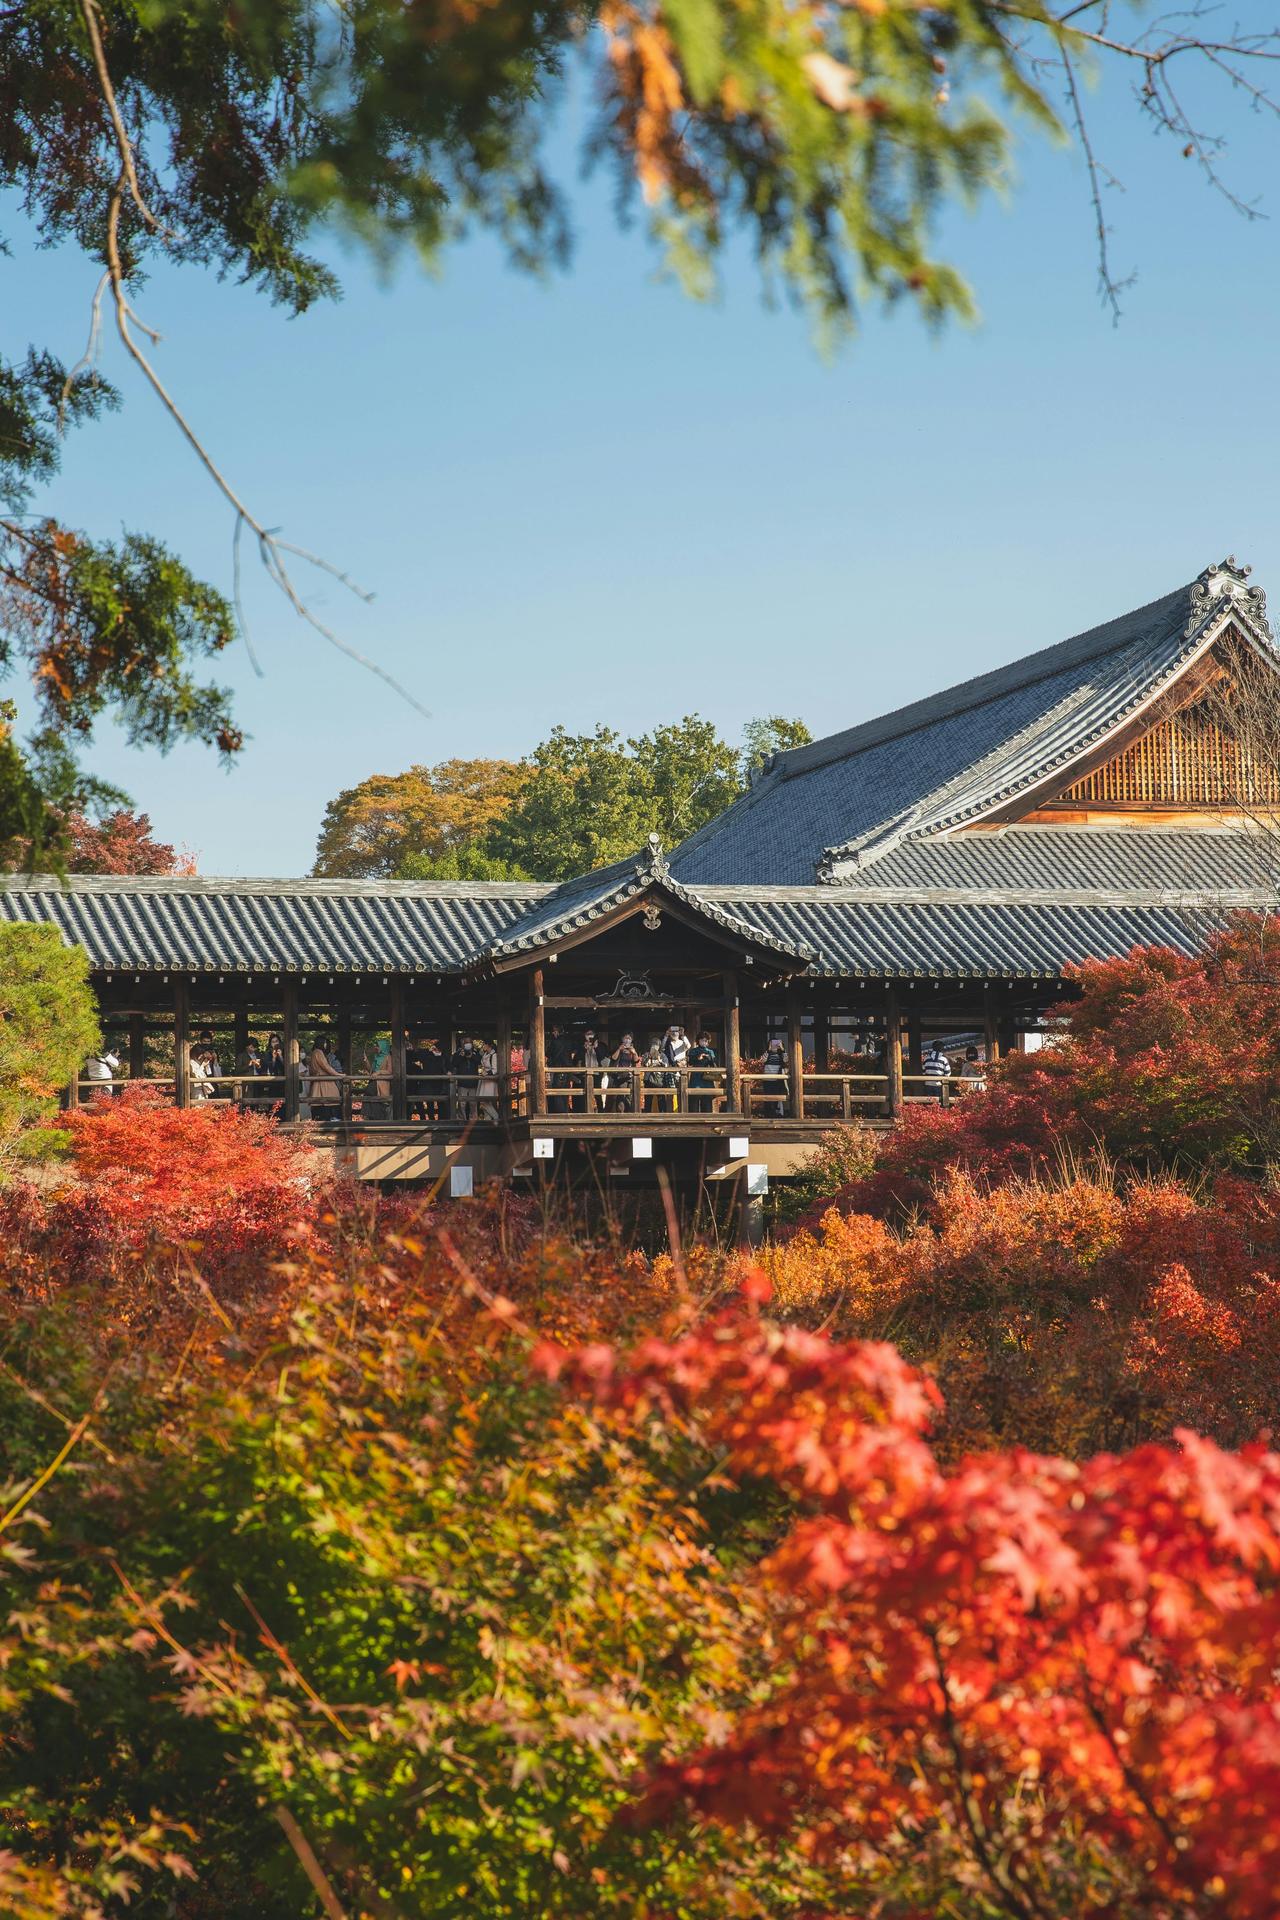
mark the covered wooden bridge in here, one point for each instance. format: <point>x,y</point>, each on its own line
<point>933,875</point>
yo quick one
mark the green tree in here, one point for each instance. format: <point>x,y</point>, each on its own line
<point>574,807</point>
<point>459,863</point>
<point>425,813</point>
<point>397,1589</point>
<point>227,136</point>
<point>584,800</point>
<point>763,738</point>
<point>48,1023</point>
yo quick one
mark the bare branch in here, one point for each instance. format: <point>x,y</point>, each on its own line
<point>271,548</point>
<point>1109,287</point>
<point>89,358</point>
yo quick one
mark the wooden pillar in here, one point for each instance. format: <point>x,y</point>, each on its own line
<point>399,1068</point>
<point>537,1045</point>
<point>344,1036</point>
<point>181,1042</point>
<point>990,1022</point>
<point>502,1040</point>
<point>240,1033</point>
<point>289,1042</point>
<point>893,1050</point>
<point>795,1052</point>
<point>822,1039</point>
<point>732,1046</point>
<point>137,1046</point>
<point>915,1052</point>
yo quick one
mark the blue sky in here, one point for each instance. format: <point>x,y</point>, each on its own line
<point>594,500</point>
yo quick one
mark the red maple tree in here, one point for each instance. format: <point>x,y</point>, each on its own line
<point>121,843</point>
<point>1052,1687</point>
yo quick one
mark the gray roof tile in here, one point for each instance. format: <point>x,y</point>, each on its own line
<point>949,758</point>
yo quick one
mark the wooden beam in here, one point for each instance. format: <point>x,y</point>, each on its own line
<point>502,1040</point>
<point>1186,689</point>
<point>893,1050</point>
<point>589,1003</point>
<point>732,1046</point>
<point>399,1066</point>
<point>137,1047</point>
<point>822,1038</point>
<point>537,1044</point>
<point>795,1052</point>
<point>289,1042</point>
<point>671,909</point>
<point>181,1043</point>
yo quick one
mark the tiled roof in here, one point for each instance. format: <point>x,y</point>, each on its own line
<point>578,903</point>
<point>912,891</point>
<point>982,925</point>
<point>272,926</point>
<point>1230,865</point>
<point>825,810</point>
<point>960,939</point>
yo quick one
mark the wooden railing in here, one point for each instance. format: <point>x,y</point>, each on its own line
<point>642,1089</point>
<point>456,1099</point>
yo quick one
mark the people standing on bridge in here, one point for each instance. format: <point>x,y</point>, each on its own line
<point>625,1060</point>
<point>203,1076</point>
<point>487,1087</point>
<point>973,1073</point>
<point>775,1073</point>
<point>656,1080</point>
<point>207,1046</point>
<point>100,1069</point>
<point>248,1063</point>
<point>324,1093</point>
<point>675,1051</point>
<point>558,1058</point>
<point>702,1056</point>
<point>274,1068</point>
<point>377,1101</point>
<point>937,1071</point>
<point>516,1086</point>
<point>465,1068</point>
<point>593,1058</point>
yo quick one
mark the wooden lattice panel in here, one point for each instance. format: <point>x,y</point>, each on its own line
<point>1188,760</point>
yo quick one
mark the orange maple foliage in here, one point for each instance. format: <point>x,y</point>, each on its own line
<point>1067,1314</point>
<point>1052,1685</point>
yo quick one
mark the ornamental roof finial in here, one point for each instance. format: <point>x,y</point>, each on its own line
<point>1227,581</point>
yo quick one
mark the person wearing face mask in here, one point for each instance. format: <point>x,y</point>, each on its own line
<point>675,1051</point>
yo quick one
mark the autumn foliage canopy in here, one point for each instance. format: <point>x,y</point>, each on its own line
<point>1039,1683</point>
<point>425,1561</point>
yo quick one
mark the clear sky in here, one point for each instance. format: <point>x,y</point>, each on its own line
<point>593,500</point>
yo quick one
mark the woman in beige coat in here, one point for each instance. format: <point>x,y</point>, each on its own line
<point>326,1093</point>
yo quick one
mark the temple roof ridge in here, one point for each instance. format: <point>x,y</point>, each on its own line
<point>956,756</point>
